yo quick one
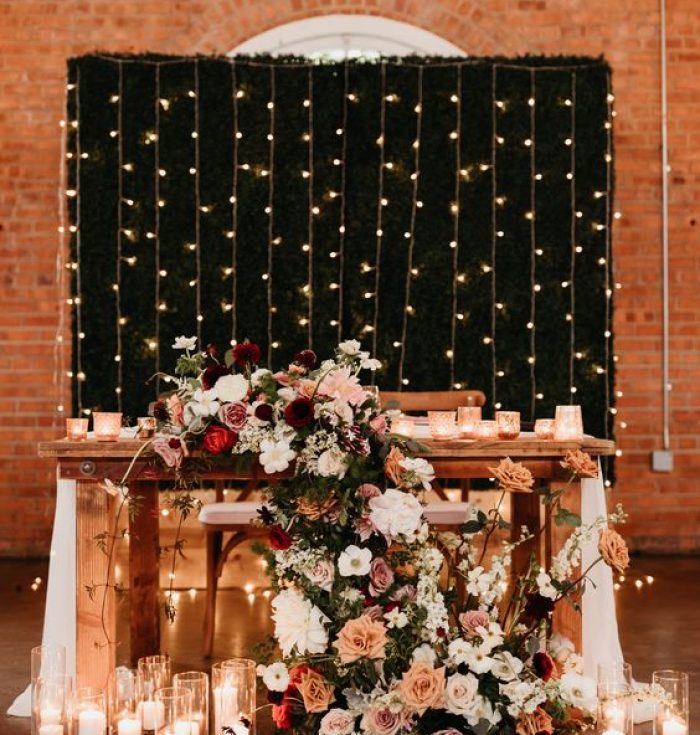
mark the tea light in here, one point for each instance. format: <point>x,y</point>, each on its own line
<point>146,427</point>
<point>76,429</point>
<point>129,726</point>
<point>404,425</point>
<point>568,425</point>
<point>544,428</point>
<point>443,424</point>
<point>486,430</point>
<point>508,424</point>
<point>467,419</point>
<point>107,426</point>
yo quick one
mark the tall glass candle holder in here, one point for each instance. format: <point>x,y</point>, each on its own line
<point>544,429</point>
<point>89,713</point>
<point>177,711</point>
<point>404,425</point>
<point>485,430</point>
<point>443,424</point>
<point>233,695</point>
<point>107,426</point>
<point>508,424</point>
<point>51,698</point>
<point>672,714</point>
<point>196,682</point>
<point>76,429</point>
<point>467,419</point>
<point>125,692</point>
<point>47,661</point>
<point>154,674</point>
<point>615,702</point>
<point>568,424</point>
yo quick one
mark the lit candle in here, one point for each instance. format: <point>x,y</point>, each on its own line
<point>568,425</point>
<point>92,722</point>
<point>544,428</point>
<point>467,419</point>
<point>129,726</point>
<point>50,716</point>
<point>614,716</point>
<point>107,426</point>
<point>224,703</point>
<point>152,714</point>
<point>673,727</point>
<point>76,429</point>
<point>50,729</point>
<point>613,732</point>
<point>405,426</point>
<point>443,424</point>
<point>508,424</point>
<point>486,430</point>
<point>146,427</point>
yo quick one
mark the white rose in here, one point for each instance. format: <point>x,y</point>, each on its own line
<point>396,513</point>
<point>231,388</point>
<point>298,624</point>
<point>276,677</point>
<point>275,456</point>
<point>337,722</point>
<point>460,690</point>
<point>579,690</point>
<point>420,470</point>
<point>331,463</point>
<point>424,654</point>
<point>349,347</point>
<point>322,574</point>
<point>185,343</point>
<point>354,561</point>
<point>258,375</point>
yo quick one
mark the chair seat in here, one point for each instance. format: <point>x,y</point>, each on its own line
<point>229,514</point>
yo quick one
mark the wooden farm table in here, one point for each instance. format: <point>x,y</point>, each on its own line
<point>90,463</point>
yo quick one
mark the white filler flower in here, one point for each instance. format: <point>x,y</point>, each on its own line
<point>275,456</point>
<point>185,343</point>
<point>354,561</point>
<point>276,677</point>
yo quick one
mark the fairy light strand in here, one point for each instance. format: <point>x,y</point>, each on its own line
<point>198,208</point>
<point>455,223</point>
<point>572,235</point>
<point>494,224</point>
<point>78,249</point>
<point>381,141</point>
<point>343,177</point>
<point>234,208</point>
<point>403,381</point>
<point>120,231</point>
<point>270,212</point>
<point>609,276</point>
<point>533,245</point>
<point>310,224</point>
<point>156,220</point>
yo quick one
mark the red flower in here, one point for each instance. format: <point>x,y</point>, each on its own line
<point>279,538</point>
<point>300,412</point>
<point>282,715</point>
<point>263,412</point>
<point>543,665</point>
<point>306,358</point>
<point>212,374</point>
<point>217,439</point>
<point>246,353</point>
<point>160,411</point>
<point>212,350</point>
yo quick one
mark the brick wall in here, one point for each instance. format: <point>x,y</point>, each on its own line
<point>39,35</point>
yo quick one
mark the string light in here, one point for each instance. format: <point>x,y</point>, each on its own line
<point>457,99</point>
<point>198,208</point>
<point>343,171</point>
<point>120,231</point>
<point>572,234</point>
<point>381,203</point>
<point>497,104</point>
<point>609,275</point>
<point>156,224</point>
<point>270,213</point>
<point>233,270</point>
<point>531,216</point>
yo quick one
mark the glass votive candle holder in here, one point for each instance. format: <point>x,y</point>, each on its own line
<point>404,425</point>
<point>154,673</point>
<point>123,701</point>
<point>615,703</point>
<point>508,424</point>
<point>106,425</point>
<point>544,429</point>
<point>146,427</point>
<point>443,424</point>
<point>196,682</point>
<point>486,430</point>
<point>176,705</point>
<point>467,419</point>
<point>672,714</point>
<point>76,429</point>
<point>51,698</point>
<point>233,695</point>
<point>568,424</point>
<point>89,711</point>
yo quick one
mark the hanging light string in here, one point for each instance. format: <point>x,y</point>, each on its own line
<point>234,207</point>
<point>609,276</point>
<point>457,135</point>
<point>572,235</point>
<point>532,217</point>
<point>310,225</point>
<point>270,213</point>
<point>343,132</point>
<point>120,231</point>
<point>381,203</point>
<point>198,209</point>
<point>80,155</point>
<point>494,224</point>
<point>411,234</point>
<point>156,220</point>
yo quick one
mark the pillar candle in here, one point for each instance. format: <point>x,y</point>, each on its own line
<point>50,729</point>
<point>50,716</point>
<point>92,722</point>
<point>129,726</point>
<point>673,727</point>
<point>152,714</point>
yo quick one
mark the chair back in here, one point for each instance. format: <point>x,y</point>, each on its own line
<point>436,400</point>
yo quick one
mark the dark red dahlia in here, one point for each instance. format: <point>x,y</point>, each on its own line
<point>263,412</point>
<point>212,374</point>
<point>538,607</point>
<point>160,411</point>
<point>306,358</point>
<point>300,412</point>
<point>543,665</point>
<point>279,538</point>
<point>246,353</point>
<point>212,350</point>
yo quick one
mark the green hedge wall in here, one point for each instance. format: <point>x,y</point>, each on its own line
<point>449,285</point>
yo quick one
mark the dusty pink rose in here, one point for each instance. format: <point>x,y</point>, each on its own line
<point>407,592</point>
<point>364,527</point>
<point>171,451</point>
<point>176,410</point>
<point>233,415</point>
<point>368,490</point>
<point>337,722</point>
<point>381,720</point>
<point>473,619</point>
<point>381,577</point>
<point>375,612</point>
<point>378,424</point>
<point>282,378</point>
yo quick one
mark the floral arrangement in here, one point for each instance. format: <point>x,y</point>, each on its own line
<point>385,626</point>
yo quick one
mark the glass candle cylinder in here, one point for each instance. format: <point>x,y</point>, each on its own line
<point>568,425</point>
<point>443,424</point>
<point>486,430</point>
<point>176,705</point>
<point>404,425</point>
<point>544,429</point>
<point>47,661</point>
<point>123,702</point>
<point>76,429</point>
<point>196,682</point>
<point>154,672</point>
<point>233,694</point>
<point>107,426</point>
<point>467,419</point>
<point>672,714</point>
<point>615,703</point>
<point>508,424</point>
<point>89,712</point>
<point>51,697</point>
<point>146,426</point>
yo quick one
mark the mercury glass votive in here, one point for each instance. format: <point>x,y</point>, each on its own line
<point>467,419</point>
<point>672,714</point>
<point>76,429</point>
<point>233,696</point>
<point>89,714</point>
<point>544,429</point>
<point>146,426</point>
<point>176,705</point>
<point>508,424</point>
<point>568,424</point>
<point>106,425</point>
<point>486,430</point>
<point>196,682</point>
<point>51,698</point>
<point>404,425</point>
<point>443,424</point>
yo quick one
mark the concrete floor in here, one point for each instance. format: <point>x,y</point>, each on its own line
<point>660,626</point>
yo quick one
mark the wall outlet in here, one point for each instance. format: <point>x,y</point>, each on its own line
<point>662,460</point>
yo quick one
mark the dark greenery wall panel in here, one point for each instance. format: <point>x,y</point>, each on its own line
<point>490,237</point>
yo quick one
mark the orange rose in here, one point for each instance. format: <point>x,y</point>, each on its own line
<point>423,686</point>
<point>316,692</point>
<point>392,468</point>
<point>613,549</point>
<point>580,463</point>
<point>361,638</point>
<point>538,723</point>
<point>315,511</point>
<point>513,476</point>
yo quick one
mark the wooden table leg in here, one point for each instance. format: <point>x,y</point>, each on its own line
<point>526,510</point>
<point>143,573</point>
<point>95,610</point>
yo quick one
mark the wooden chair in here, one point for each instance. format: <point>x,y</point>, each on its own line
<point>438,400</point>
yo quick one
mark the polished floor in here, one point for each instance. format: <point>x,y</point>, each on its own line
<point>659,623</point>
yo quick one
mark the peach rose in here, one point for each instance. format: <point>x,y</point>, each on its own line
<point>473,619</point>
<point>537,723</point>
<point>513,476</point>
<point>392,468</point>
<point>613,549</point>
<point>423,686</point>
<point>381,720</point>
<point>580,463</point>
<point>306,387</point>
<point>316,692</point>
<point>361,638</point>
<point>315,511</point>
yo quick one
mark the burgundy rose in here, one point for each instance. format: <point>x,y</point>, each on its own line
<point>233,415</point>
<point>538,607</point>
<point>300,412</point>
<point>306,358</point>
<point>263,412</point>
<point>218,439</point>
<point>381,576</point>
<point>543,665</point>
<point>246,353</point>
<point>212,374</point>
<point>279,538</point>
